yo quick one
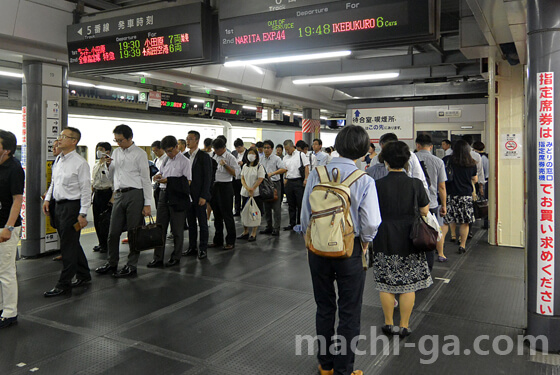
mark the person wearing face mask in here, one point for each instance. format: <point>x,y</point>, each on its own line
<point>11,198</point>
<point>252,174</point>
<point>102,191</point>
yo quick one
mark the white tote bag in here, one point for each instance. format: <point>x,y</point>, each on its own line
<point>432,221</point>
<point>251,215</point>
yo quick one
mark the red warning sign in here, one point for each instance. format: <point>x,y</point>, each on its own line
<point>511,145</point>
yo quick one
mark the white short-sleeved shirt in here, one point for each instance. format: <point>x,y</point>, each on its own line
<point>251,175</point>
<point>293,162</point>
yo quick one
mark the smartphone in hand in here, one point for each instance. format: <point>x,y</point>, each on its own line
<point>77,226</point>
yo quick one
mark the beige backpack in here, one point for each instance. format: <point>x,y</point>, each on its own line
<point>331,231</point>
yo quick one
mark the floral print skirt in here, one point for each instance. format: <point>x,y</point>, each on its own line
<point>397,274</point>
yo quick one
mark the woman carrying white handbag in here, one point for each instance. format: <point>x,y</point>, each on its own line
<point>252,176</point>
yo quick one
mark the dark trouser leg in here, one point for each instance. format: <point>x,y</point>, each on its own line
<point>218,215</point>
<point>134,218</point>
<point>298,191</point>
<point>292,203</point>
<point>267,214</point>
<point>197,212</point>
<point>74,261</point>
<point>277,207</point>
<point>191,220</point>
<point>118,220</point>
<point>163,218</point>
<point>226,202</point>
<point>178,229</point>
<point>101,200</point>
<point>350,279</point>
<point>237,193</point>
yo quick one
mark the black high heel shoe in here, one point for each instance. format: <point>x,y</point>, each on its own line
<point>461,250</point>
<point>404,332</point>
<point>390,330</point>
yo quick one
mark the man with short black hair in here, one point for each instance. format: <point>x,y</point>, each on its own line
<point>208,146</point>
<point>174,179</point>
<point>71,188</point>
<point>260,149</point>
<point>320,157</point>
<point>446,146</point>
<point>222,196</point>
<point>158,162</point>
<point>11,198</point>
<point>436,171</point>
<point>133,198</point>
<point>274,167</point>
<point>295,181</point>
<point>200,194</point>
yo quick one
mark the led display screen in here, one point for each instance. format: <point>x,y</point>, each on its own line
<point>168,37</point>
<point>369,23</point>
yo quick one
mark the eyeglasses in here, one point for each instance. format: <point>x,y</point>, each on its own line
<point>119,141</point>
<point>64,136</point>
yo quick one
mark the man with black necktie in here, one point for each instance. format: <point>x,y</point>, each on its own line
<point>200,193</point>
<point>71,188</point>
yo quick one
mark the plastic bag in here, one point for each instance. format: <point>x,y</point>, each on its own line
<point>251,215</point>
<point>432,221</point>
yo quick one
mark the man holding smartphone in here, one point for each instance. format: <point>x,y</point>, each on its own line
<point>71,188</point>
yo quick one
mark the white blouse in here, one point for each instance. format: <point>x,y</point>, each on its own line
<point>251,175</point>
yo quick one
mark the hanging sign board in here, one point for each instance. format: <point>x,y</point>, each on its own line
<point>260,27</point>
<point>378,121</point>
<point>546,245</point>
<point>155,39</point>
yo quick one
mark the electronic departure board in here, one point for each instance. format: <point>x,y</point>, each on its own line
<point>162,38</point>
<point>285,26</point>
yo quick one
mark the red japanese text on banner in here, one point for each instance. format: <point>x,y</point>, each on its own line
<point>545,193</point>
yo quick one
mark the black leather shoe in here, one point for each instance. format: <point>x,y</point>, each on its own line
<point>96,248</point>
<point>172,262</point>
<point>105,269</point>
<point>55,292</point>
<point>266,231</point>
<point>390,330</point>
<point>289,227</point>
<point>252,238</point>
<point>80,282</point>
<point>202,254</point>
<point>212,245</point>
<point>275,232</point>
<point>103,250</point>
<point>243,236</point>
<point>228,247</point>
<point>155,263</point>
<point>189,252</point>
<point>126,271</point>
<point>6,322</point>
<point>404,332</point>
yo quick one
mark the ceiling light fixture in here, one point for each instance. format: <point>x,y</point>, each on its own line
<point>194,100</point>
<point>345,78</point>
<point>283,59</point>
<point>117,89</point>
<point>250,107</point>
<point>81,84</point>
<point>14,73</point>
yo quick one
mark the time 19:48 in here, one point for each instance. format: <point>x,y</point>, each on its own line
<point>310,31</point>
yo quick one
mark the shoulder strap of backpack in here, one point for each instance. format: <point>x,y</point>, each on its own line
<point>354,176</point>
<point>323,175</point>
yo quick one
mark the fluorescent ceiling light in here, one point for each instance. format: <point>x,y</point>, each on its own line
<point>287,113</point>
<point>197,100</point>
<point>298,114</point>
<point>250,107</point>
<point>118,89</point>
<point>345,78</point>
<point>82,84</point>
<point>275,60</point>
<point>324,118</point>
<point>221,89</point>
<point>11,74</point>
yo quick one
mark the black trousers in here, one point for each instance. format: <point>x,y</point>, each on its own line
<point>349,276</point>
<point>222,202</point>
<point>74,262</point>
<point>166,215</point>
<point>197,212</point>
<point>100,203</point>
<point>294,194</point>
<point>237,185</point>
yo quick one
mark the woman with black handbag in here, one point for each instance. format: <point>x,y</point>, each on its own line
<point>398,267</point>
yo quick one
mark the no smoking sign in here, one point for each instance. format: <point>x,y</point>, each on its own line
<point>511,146</point>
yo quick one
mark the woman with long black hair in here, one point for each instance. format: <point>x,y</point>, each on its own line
<point>461,177</point>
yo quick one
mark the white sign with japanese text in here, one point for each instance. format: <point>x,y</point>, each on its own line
<point>545,193</point>
<point>511,146</point>
<point>378,121</point>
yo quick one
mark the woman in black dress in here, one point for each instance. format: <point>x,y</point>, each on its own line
<point>461,177</point>
<point>397,267</point>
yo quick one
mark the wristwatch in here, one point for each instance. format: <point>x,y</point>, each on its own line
<point>84,216</point>
<point>11,229</point>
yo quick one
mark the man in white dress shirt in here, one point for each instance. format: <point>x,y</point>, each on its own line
<point>133,198</point>
<point>446,146</point>
<point>173,178</point>
<point>71,188</point>
<point>274,167</point>
<point>321,158</point>
<point>295,180</point>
